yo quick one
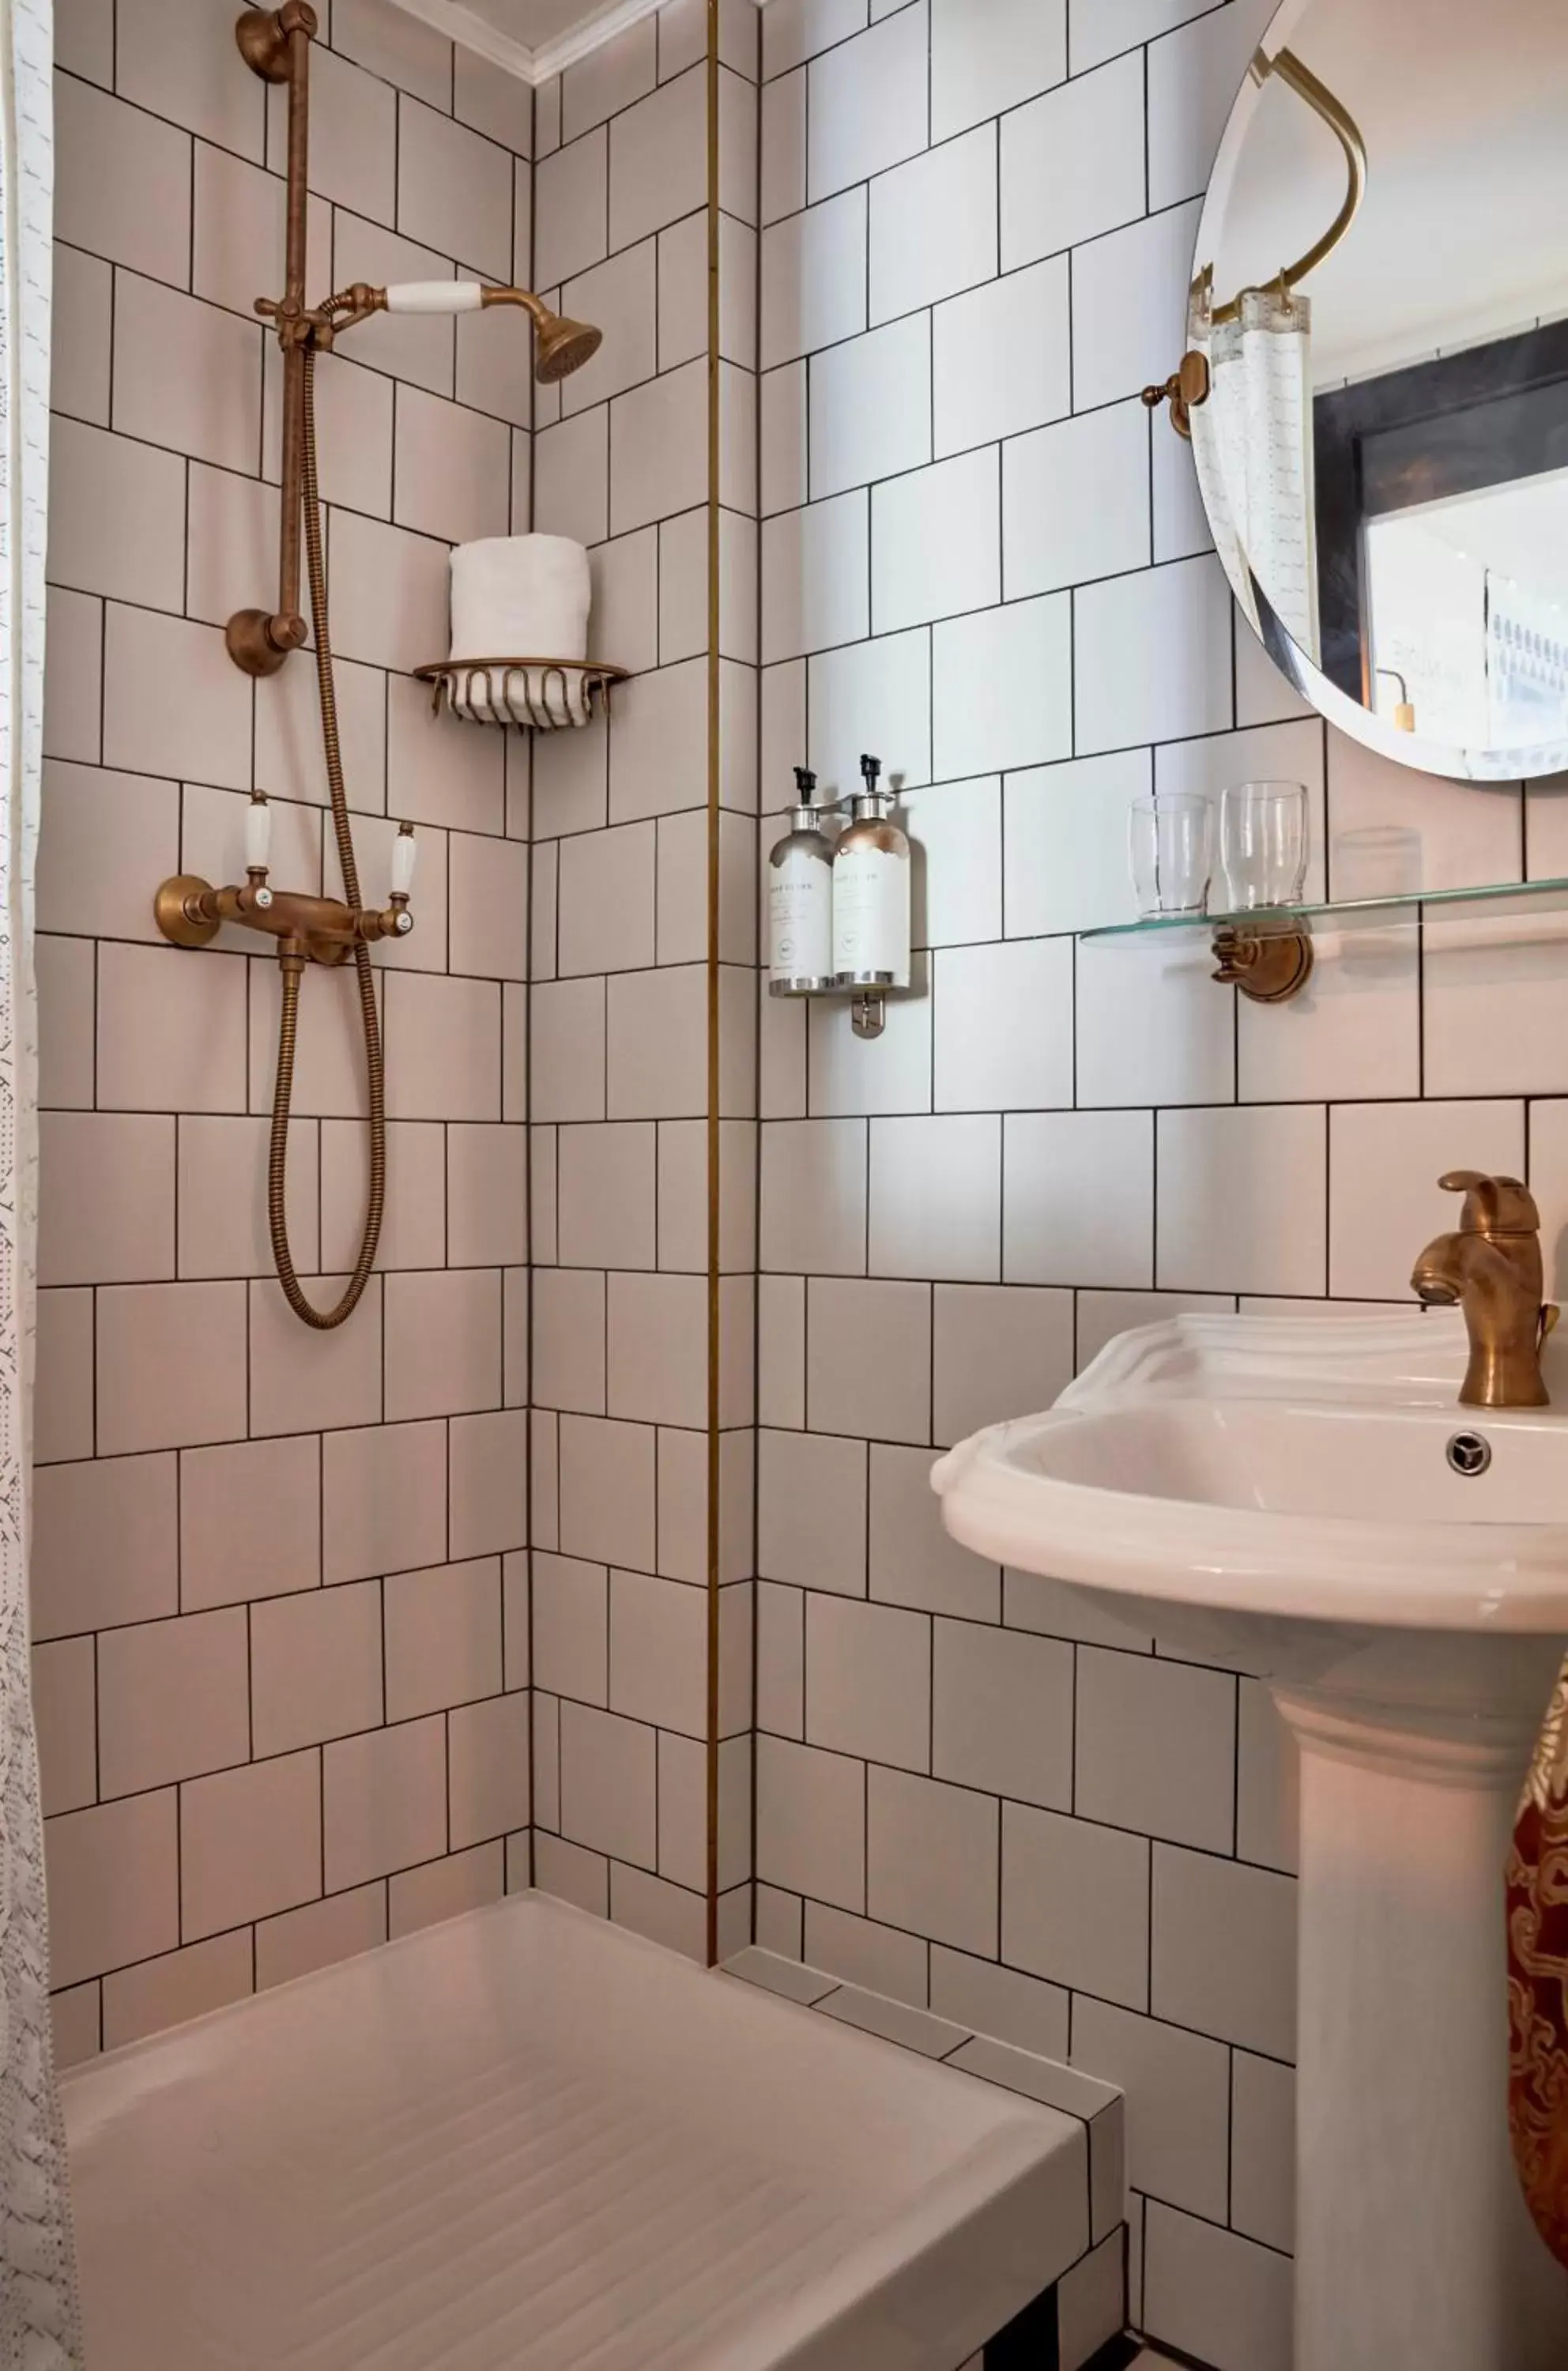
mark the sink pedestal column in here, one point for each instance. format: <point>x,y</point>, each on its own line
<point>1413,2243</point>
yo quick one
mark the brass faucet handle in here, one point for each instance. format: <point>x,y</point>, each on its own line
<point>1493,1206</point>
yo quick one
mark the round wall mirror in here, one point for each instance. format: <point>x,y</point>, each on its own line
<point>1380,300</point>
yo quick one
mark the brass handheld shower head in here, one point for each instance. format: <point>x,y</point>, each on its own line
<point>562,346</point>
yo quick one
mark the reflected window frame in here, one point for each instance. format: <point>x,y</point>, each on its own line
<point>1458,424</point>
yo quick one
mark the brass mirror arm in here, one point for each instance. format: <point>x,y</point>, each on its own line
<point>1190,387</point>
<point>1346,130</point>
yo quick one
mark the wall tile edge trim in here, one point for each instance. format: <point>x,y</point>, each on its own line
<point>1099,2107</point>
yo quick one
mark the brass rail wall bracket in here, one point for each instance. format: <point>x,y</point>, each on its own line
<point>262,35</point>
<point>1269,967</point>
<point>1183,391</point>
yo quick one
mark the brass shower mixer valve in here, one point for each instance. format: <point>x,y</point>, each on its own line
<point>191,913</point>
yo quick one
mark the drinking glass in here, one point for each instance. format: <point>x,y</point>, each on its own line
<point>1170,842</point>
<point>1263,843</point>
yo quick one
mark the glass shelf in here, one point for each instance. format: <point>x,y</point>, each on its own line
<point>1345,912</point>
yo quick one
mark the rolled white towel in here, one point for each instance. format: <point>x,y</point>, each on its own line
<point>526,596</point>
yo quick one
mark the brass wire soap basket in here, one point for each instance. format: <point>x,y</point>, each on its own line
<point>536,694</point>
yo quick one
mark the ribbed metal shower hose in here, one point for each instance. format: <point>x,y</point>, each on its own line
<point>323,1320</point>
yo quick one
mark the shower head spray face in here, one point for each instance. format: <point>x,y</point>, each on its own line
<point>563,347</point>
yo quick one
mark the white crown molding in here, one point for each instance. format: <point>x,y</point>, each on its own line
<point>472,31</point>
<point>599,26</point>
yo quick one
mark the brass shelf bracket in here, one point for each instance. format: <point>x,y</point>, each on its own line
<point>1269,967</point>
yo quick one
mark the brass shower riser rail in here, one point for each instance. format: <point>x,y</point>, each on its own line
<point>276,44</point>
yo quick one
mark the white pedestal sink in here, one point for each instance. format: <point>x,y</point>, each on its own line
<point>1275,1494</point>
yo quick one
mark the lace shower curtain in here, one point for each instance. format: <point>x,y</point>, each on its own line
<point>39,2322</point>
<point>1253,450</point>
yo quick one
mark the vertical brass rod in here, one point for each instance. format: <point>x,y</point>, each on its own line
<point>293,306</point>
<point>715,1570</point>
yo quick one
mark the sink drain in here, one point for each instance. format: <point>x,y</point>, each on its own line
<point>1468,1453</point>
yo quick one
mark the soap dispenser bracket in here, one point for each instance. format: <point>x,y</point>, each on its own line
<point>868,1013</point>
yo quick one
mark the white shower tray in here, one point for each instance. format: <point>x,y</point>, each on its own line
<point>526,2140</point>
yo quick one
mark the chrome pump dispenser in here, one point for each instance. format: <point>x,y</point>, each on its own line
<point>871,892</point>
<point>800,900</point>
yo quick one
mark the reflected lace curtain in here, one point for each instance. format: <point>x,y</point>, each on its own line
<point>40,2328</point>
<point>1254,453</point>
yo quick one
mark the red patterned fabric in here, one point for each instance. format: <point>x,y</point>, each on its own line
<point>1538,1980</point>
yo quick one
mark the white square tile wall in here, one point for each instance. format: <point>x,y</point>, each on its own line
<point>619,1084</point>
<point>281,1584</point>
<point>962,249</point>
<point>984,561</point>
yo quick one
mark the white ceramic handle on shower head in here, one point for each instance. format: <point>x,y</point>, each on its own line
<point>405,853</point>
<point>258,835</point>
<point>434,296</point>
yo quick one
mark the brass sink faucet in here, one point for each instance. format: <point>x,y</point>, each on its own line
<point>1492,1267</point>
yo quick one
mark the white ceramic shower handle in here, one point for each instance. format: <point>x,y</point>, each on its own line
<point>434,296</point>
<point>405,853</point>
<point>258,836</point>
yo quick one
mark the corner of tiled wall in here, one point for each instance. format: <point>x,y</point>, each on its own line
<point>982,558</point>
<point>280,1594</point>
<point>625,1129</point>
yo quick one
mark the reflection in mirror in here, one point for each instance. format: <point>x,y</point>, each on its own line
<point>1380,294</point>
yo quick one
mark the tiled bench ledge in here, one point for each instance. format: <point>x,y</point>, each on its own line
<point>1077,2322</point>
